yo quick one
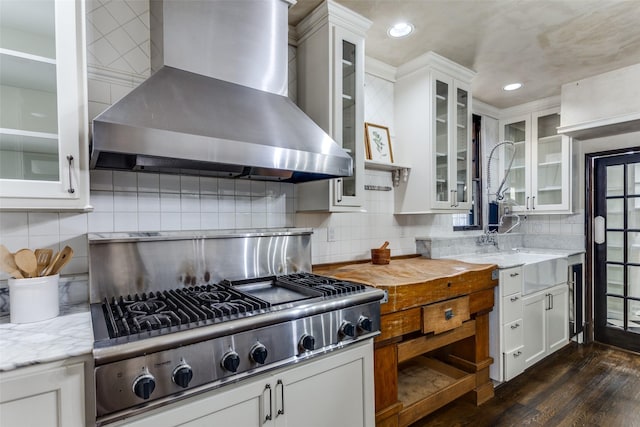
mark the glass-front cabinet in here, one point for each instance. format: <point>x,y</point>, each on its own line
<point>432,113</point>
<point>43,103</point>
<point>330,60</point>
<point>538,177</point>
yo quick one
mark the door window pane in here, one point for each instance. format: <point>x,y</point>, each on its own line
<point>615,279</point>
<point>634,316</point>
<point>634,281</point>
<point>633,179</point>
<point>615,310</point>
<point>633,249</point>
<point>615,213</point>
<point>442,141</point>
<point>461,144</point>
<point>615,180</point>
<point>615,243</point>
<point>349,112</point>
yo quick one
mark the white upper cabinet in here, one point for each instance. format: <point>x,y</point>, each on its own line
<point>43,125</point>
<point>330,61</point>
<point>433,134</point>
<point>539,180</point>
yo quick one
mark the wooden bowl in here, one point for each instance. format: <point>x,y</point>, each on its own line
<point>380,256</point>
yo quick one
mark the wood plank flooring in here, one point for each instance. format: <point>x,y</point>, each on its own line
<point>580,385</point>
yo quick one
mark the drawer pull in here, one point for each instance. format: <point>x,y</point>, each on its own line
<point>514,274</point>
<point>518,353</point>
<point>448,314</point>
<point>516,326</point>
<point>514,299</point>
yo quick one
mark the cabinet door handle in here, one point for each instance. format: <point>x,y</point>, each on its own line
<point>550,301</point>
<point>270,415</point>
<point>533,203</point>
<point>281,410</point>
<point>514,299</point>
<point>339,190</point>
<point>527,204</point>
<point>516,326</point>
<point>70,190</point>
<point>453,203</point>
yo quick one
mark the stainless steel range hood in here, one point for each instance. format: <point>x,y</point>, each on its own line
<point>216,103</point>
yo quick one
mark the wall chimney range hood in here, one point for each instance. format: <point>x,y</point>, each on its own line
<point>216,102</point>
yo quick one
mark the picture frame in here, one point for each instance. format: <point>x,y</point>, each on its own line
<point>378,143</point>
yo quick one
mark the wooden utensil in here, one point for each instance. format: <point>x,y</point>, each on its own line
<point>26,261</point>
<point>63,257</point>
<point>384,246</point>
<point>8,263</point>
<point>381,255</point>
<point>43,256</point>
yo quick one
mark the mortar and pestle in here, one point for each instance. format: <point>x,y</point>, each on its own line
<point>381,255</point>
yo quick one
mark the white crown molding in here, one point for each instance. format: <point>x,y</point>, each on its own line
<point>292,35</point>
<point>540,104</point>
<point>332,12</point>
<point>484,109</point>
<point>380,69</point>
<point>432,59</point>
<point>96,72</point>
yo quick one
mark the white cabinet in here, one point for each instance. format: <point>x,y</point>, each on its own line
<point>51,394</point>
<point>507,326</point>
<point>433,134</point>
<point>539,179</point>
<point>333,390</point>
<point>330,60</point>
<point>43,125</point>
<point>546,323</point>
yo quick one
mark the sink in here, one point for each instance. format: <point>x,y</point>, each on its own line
<point>540,270</point>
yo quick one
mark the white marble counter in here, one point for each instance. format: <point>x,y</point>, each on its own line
<point>508,259</point>
<point>47,341</point>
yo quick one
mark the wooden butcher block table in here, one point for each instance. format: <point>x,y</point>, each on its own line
<point>434,342</point>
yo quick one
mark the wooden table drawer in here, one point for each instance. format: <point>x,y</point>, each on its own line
<point>446,315</point>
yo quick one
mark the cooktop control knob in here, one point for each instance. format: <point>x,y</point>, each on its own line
<point>258,353</point>
<point>144,385</point>
<point>230,361</point>
<point>307,343</point>
<point>347,329</point>
<point>182,375</point>
<point>364,324</point>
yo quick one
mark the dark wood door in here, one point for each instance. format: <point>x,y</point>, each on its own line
<point>616,235</point>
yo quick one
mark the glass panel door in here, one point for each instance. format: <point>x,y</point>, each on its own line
<point>516,180</point>
<point>29,146</point>
<point>441,126</point>
<point>462,146</point>
<point>617,259</point>
<point>548,163</point>
<point>349,112</point>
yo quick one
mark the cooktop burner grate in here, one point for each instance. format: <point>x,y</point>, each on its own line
<point>326,285</point>
<point>146,312</point>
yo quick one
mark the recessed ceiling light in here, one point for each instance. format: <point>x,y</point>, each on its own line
<point>401,29</point>
<point>513,86</point>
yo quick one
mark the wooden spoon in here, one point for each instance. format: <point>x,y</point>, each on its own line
<point>384,246</point>
<point>63,257</point>
<point>27,262</point>
<point>8,263</point>
<point>43,256</point>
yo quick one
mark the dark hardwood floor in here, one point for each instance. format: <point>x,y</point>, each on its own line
<point>580,385</point>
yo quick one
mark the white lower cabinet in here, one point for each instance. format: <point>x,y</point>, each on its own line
<point>47,395</point>
<point>546,323</point>
<point>333,390</point>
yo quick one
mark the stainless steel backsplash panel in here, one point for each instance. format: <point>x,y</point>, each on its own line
<point>133,263</point>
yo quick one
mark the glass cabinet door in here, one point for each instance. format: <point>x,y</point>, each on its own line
<point>441,137</point>
<point>349,112</point>
<point>348,126</point>
<point>28,91</point>
<point>462,147</point>
<point>516,180</point>
<point>548,170</point>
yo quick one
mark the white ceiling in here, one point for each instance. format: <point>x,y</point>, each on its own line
<point>541,43</point>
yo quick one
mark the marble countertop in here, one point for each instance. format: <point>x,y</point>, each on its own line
<point>65,336</point>
<point>508,259</point>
